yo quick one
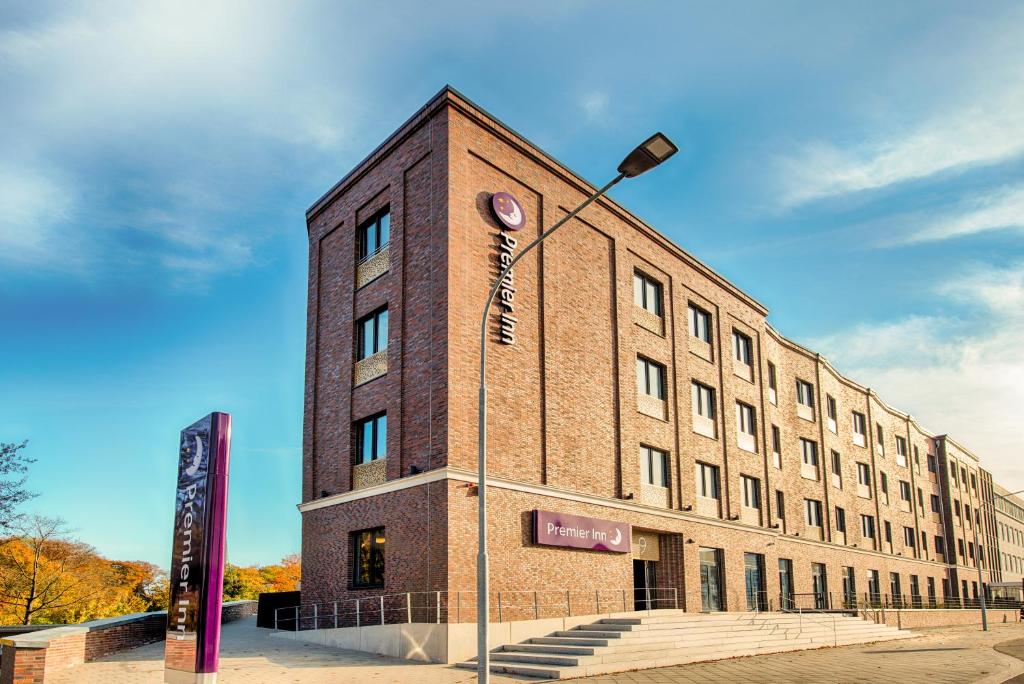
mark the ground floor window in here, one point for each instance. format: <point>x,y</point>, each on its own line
<point>368,558</point>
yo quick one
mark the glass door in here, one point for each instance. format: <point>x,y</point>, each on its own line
<point>785,584</point>
<point>819,584</point>
<point>849,588</point>
<point>644,583</point>
<point>753,571</point>
<point>710,579</point>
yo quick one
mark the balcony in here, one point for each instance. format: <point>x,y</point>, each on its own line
<point>369,474</point>
<point>373,266</point>
<point>370,368</point>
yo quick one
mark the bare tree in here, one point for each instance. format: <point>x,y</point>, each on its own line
<point>43,569</point>
<point>13,466</point>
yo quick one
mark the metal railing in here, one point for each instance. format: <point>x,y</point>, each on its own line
<point>460,606</point>
<point>370,255</point>
<point>931,602</point>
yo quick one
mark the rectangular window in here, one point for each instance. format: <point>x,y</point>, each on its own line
<point>837,465</point>
<point>867,526</point>
<point>920,498</point>
<point>809,451</point>
<point>700,323</point>
<point>830,404</point>
<point>859,429</point>
<point>650,378</point>
<point>884,483</point>
<point>742,348</point>
<point>932,465</point>
<point>371,438</point>
<point>888,531</point>
<point>751,491</point>
<point>368,558</point>
<point>654,466</point>
<point>703,400</point>
<point>901,446</point>
<point>935,504</point>
<point>745,419</point>
<point>812,508</point>
<point>647,293</point>
<point>863,474</point>
<point>940,547</point>
<point>805,393</point>
<point>772,379</point>
<point>776,440</point>
<point>909,536</point>
<point>374,235</point>
<point>707,481</point>
<point>905,491</point>
<point>840,520</point>
<point>373,334</point>
<point>780,504</point>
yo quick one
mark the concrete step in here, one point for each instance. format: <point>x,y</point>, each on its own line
<point>567,649</point>
<point>522,670</point>
<point>569,641</point>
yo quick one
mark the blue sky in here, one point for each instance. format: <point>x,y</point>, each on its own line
<point>858,169</point>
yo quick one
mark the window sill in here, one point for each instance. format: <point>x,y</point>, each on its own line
<point>701,349</point>
<point>373,267</point>
<point>370,368</point>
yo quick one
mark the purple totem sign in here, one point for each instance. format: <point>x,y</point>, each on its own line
<point>197,556</point>
<point>580,532</point>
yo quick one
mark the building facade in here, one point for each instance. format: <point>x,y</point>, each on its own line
<point>629,383</point>
<point>1010,532</point>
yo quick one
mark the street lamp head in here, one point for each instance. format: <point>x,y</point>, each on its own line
<point>647,155</point>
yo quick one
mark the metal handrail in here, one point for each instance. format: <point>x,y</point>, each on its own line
<point>443,606</point>
<point>370,255</point>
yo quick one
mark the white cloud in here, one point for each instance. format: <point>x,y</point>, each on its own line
<point>595,105</point>
<point>962,376</point>
<point>999,209</point>
<point>956,140</point>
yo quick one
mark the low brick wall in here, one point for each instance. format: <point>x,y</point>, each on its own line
<point>27,658</point>
<point>918,618</point>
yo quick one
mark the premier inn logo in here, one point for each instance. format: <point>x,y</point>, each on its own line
<point>511,218</point>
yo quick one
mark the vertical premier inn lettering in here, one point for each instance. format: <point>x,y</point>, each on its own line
<point>511,218</point>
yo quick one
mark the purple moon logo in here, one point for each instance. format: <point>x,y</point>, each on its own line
<point>508,210</point>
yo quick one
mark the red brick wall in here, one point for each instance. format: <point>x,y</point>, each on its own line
<point>563,410</point>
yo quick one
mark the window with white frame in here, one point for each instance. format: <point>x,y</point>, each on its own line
<point>863,474</point>
<point>905,491</point>
<point>830,406</point>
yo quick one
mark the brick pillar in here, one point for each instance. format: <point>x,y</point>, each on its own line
<point>22,665</point>
<point>670,568</point>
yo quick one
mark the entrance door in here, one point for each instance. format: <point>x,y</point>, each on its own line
<point>710,579</point>
<point>849,588</point>
<point>644,583</point>
<point>819,584</point>
<point>785,583</point>
<point>753,572</point>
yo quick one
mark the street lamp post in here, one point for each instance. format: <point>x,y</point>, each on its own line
<point>644,157</point>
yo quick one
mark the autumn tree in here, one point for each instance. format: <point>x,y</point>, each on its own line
<point>13,466</point>
<point>44,571</point>
<point>248,582</point>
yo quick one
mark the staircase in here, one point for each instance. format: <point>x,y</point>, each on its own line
<point>674,637</point>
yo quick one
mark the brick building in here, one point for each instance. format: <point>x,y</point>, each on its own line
<point>629,383</point>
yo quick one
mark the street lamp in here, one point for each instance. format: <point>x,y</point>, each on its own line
<point>977,558</point>
<point>644,157</point>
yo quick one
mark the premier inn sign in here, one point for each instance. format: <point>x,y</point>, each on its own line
<point>197,563</point>
<point>511,218</point>
<point>579,532</point>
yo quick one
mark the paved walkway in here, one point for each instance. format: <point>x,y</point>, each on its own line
<point>248,655</point>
